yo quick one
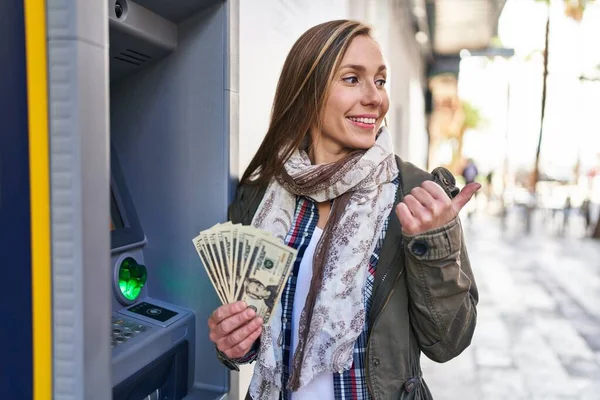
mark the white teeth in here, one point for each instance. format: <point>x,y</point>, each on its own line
<point>363,120</point>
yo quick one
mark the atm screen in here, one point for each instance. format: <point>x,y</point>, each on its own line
<point>125,228</point>
<point>116,221</point>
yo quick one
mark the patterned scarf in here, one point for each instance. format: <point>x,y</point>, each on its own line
<point>333,316</point>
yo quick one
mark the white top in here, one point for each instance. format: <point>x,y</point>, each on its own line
<point>321,387</point>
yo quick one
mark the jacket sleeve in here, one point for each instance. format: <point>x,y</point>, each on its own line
<point>442,291</point>
<point>233,363</point>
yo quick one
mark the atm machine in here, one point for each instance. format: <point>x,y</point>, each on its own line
<point>171,176</point>
<point>129,111</point>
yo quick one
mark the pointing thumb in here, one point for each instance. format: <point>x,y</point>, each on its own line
<point>464,196</point>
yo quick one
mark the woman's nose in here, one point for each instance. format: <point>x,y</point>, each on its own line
<point>371,95</point>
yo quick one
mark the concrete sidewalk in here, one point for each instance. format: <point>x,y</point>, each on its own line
<point>538,333</point>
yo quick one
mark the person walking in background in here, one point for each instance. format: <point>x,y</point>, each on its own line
<point>469,173</point>
<point>567,210</point>
<point>587,214</point>
<point>489,190</point>
<point>489,179</point>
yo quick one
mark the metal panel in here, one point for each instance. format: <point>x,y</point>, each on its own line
<point>16,365</point>
<point>78,83</point>
<point>179,11</point>
<point>169,126</point>
<point>138,37</point>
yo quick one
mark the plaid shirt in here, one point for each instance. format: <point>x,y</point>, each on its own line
<point>351,384</point>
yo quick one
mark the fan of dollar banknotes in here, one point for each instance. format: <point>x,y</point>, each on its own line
<point>245,263</point>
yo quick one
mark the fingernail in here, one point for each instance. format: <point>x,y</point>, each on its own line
<point>249,312</point>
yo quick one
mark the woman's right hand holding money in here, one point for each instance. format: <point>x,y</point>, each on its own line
<point>234,328</point>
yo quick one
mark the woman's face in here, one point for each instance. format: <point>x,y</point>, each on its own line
<point>357,102</point>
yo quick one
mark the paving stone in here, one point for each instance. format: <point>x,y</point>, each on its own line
<point>492,342</point>
<point>582,368</point>
<point>498,383</point>
<point>535,297</point>
<point>487,357</point>
<point>457,376</point>
<point>564,339</point>
<point>592,339</point>
<point>591,392</point>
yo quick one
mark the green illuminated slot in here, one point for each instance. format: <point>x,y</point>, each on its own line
<point>132,278</point>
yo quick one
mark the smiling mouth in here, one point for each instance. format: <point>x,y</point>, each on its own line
<point>362,122</point>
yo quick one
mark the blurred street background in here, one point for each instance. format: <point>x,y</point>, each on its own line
<point>523,122</point>
<point>506,93</point>
<point>538,333</point>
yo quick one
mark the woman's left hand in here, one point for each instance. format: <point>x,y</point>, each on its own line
<point>428,207</point>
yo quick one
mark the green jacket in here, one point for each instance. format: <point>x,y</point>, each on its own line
<point>424,298</point>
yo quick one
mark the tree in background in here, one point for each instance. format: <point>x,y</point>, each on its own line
<point>573,9</point>
<point>536,168</point>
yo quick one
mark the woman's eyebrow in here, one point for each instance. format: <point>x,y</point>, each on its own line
<point>361,68</point>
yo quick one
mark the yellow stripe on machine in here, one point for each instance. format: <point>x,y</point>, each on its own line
<point>39,178</point>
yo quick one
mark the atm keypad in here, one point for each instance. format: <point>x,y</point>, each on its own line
<point>123,330</point>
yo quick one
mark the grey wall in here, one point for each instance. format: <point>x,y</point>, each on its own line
<point>407,111</point>
<point>169,124</point>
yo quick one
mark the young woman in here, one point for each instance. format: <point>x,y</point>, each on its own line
<point>382,272</point>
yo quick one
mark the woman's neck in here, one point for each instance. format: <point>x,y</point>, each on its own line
<point>325,153</point>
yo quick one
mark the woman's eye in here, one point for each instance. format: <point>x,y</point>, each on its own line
<point>351,79</point>
<point>380,82</point>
